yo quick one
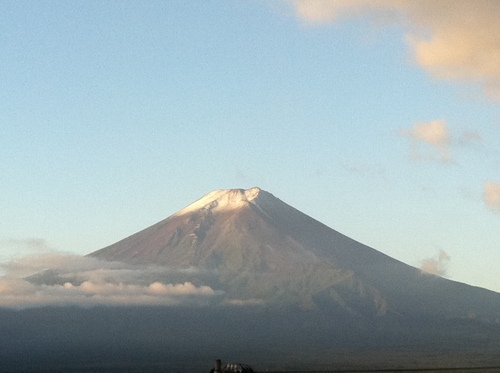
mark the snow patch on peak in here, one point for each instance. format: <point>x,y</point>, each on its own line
<point>222,199</point>
<point>252,193</point>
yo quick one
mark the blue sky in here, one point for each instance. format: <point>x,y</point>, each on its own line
<point>379,119</point>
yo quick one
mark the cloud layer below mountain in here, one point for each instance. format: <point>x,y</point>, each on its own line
<point>60,279</point>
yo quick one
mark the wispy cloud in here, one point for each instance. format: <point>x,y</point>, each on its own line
<point>470,137</point>
<point>244,302</point>
<point>450,39</point>
<point>365,170</point>
<point>492,195</point>
<point>436,265</point>
<point>434,141</point>
<point>30,243</point>
<point>433,134</point>
<point>59,279</point>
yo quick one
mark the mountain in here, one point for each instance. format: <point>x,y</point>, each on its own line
<point>264,250</point>
<point>289,293</point>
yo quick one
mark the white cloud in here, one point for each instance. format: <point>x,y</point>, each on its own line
<point>85,281</point>
<point>245,302</point>
<point>492,195</point>
<point>434,134</point>
<point>19,293</point>
<point>451,39</point>
<point>434,141</point>
<point>437,265</point>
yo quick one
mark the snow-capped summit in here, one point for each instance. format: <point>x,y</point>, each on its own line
<point>223,199</point>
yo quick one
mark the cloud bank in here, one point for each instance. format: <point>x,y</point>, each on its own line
<point>451,39</point>
<point>59,279</point>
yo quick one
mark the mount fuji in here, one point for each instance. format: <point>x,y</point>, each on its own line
<point>289,293</point>
<point>261,250</point>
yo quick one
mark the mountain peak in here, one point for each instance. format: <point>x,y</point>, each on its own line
<point>252,246</point>
<point>223,199</point>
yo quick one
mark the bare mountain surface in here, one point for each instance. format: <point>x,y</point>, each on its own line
<point>264,250</point>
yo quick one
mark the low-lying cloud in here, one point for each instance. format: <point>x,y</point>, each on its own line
<point>59,279</point>
<point>451,39</point>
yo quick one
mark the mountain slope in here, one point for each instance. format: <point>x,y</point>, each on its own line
<point>264,250</point>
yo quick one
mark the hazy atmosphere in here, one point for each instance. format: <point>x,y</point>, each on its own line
<point>378,118</point>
